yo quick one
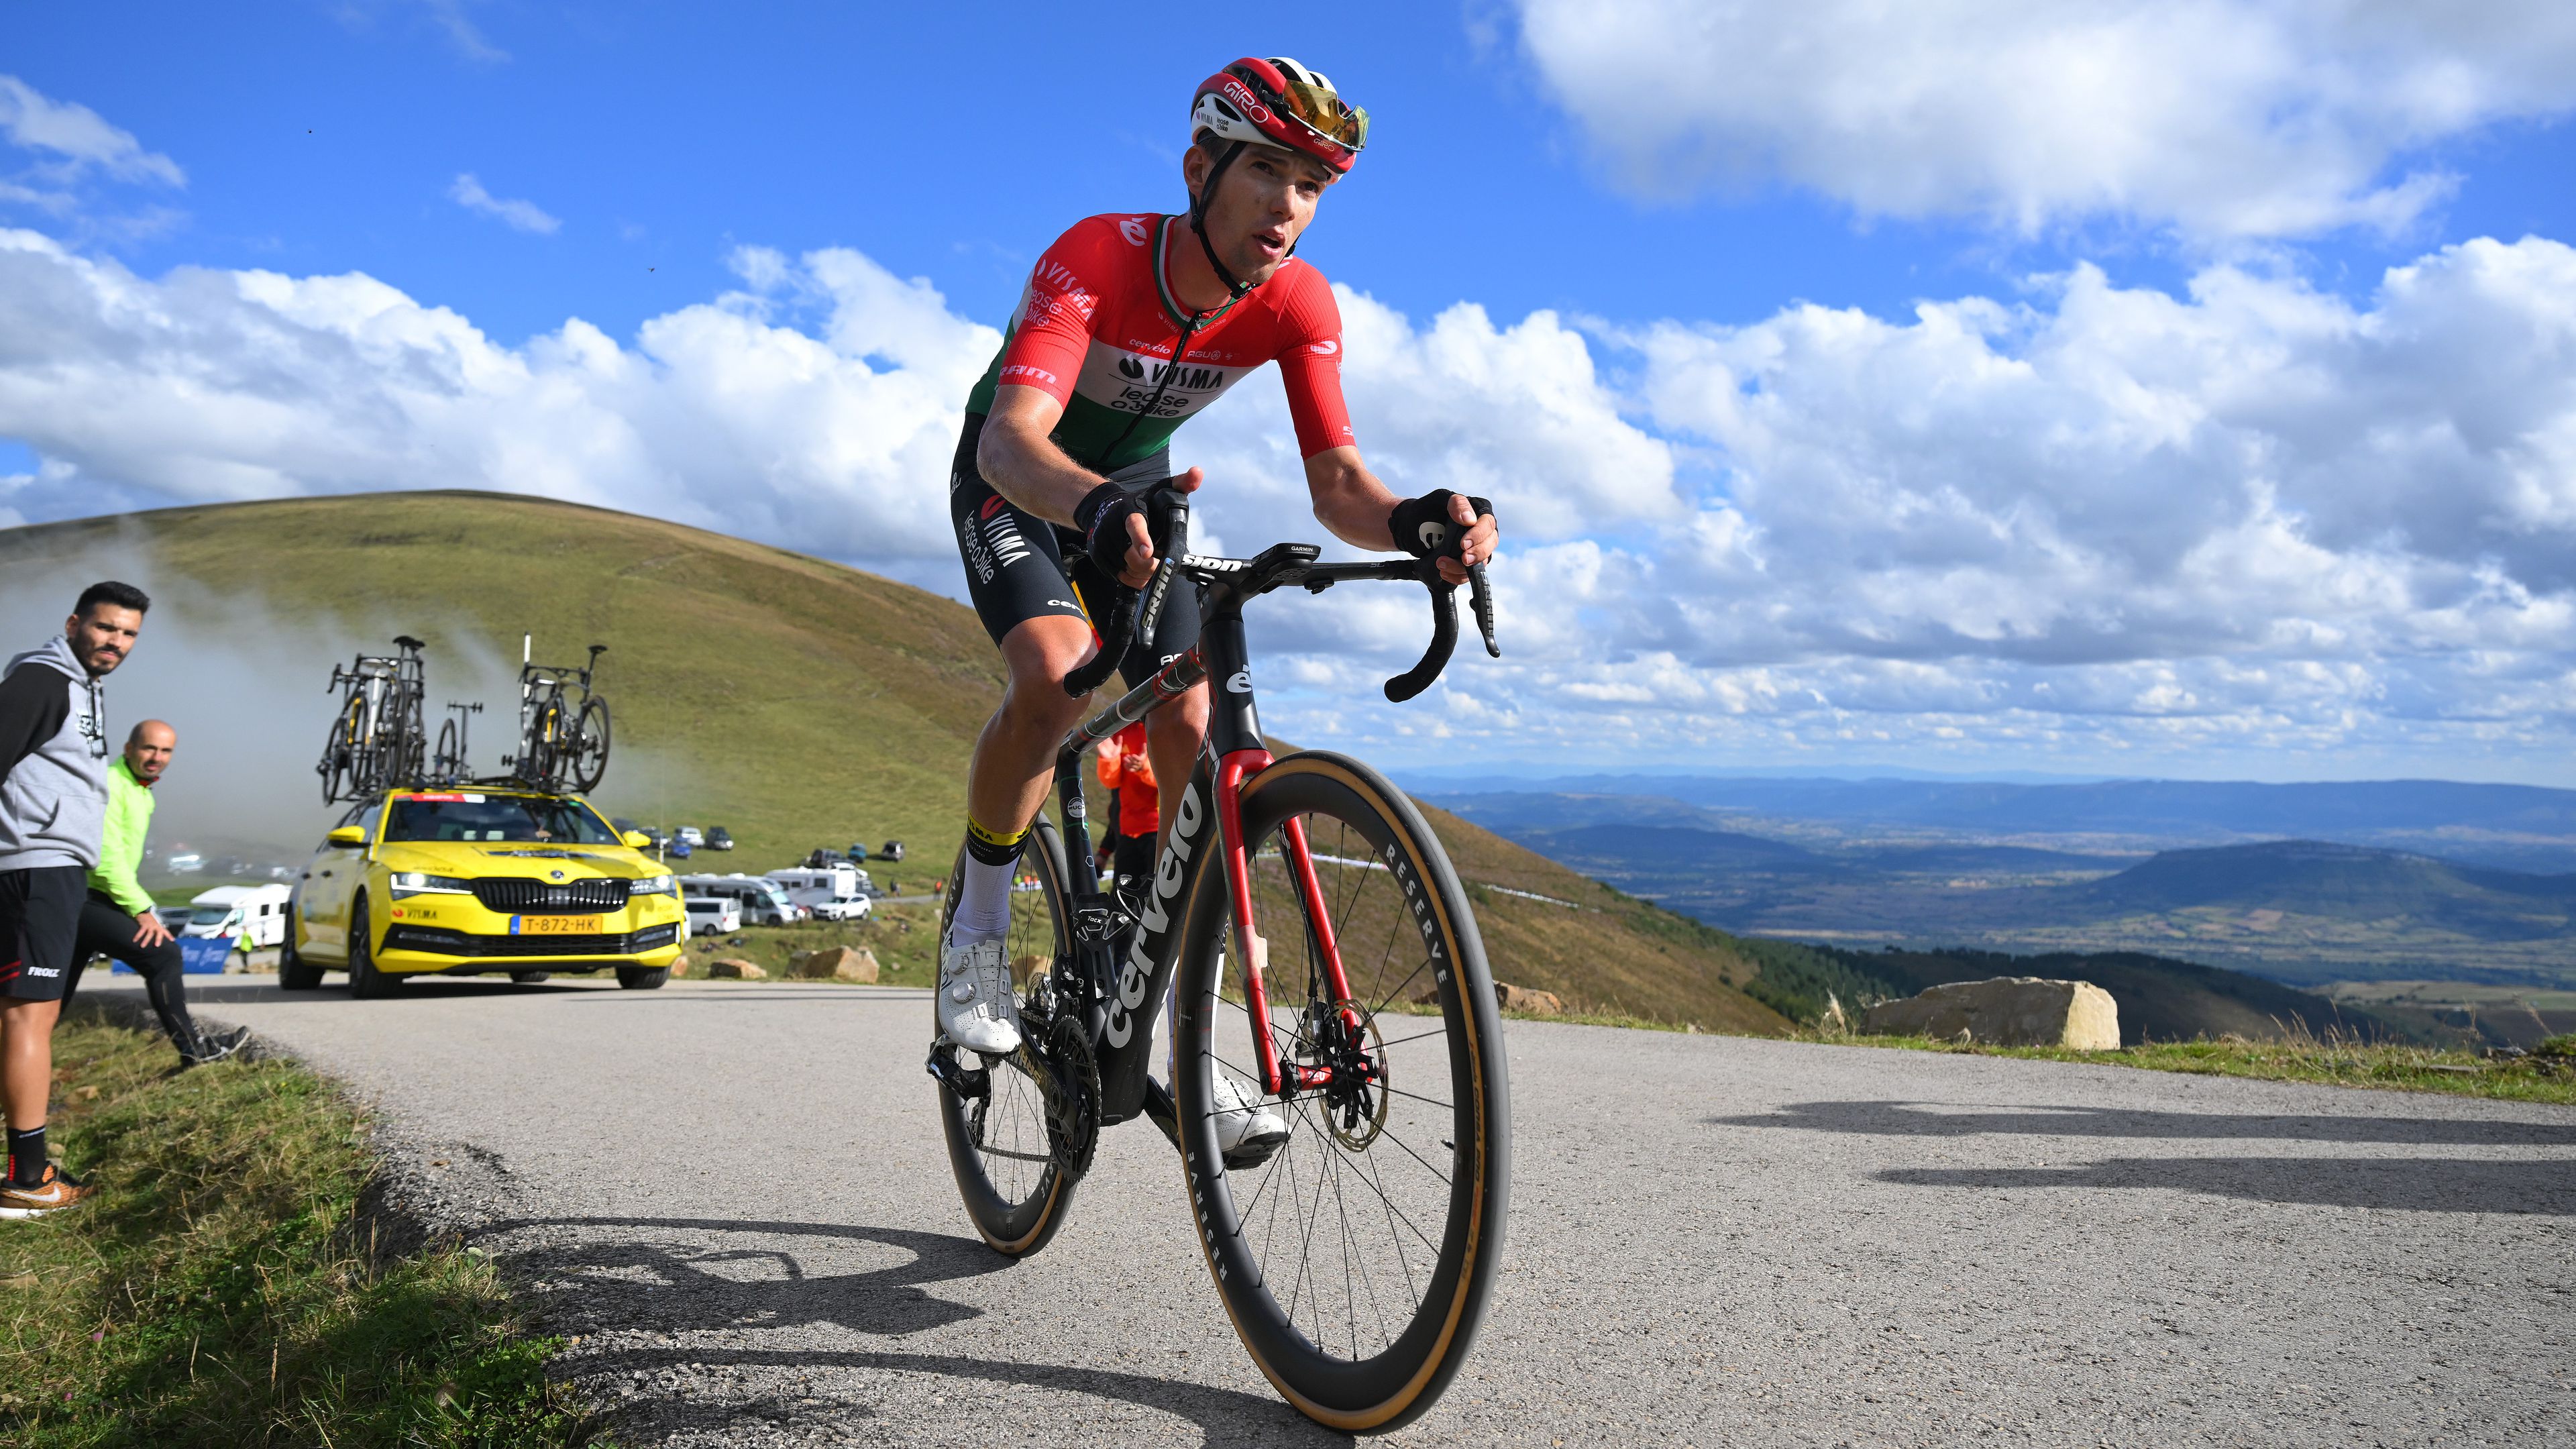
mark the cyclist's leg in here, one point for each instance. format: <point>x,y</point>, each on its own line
<point>1172,733</point>
<point>1015,577</point>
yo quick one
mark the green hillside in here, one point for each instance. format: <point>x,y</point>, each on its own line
<point>794,701</point>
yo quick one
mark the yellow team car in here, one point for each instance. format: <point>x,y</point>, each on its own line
<point>467,881</point>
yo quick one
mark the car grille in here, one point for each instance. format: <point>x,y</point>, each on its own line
<point>513,895</point>
<point>458,943</point>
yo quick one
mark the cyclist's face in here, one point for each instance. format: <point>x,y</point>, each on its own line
<point>1262,205</point>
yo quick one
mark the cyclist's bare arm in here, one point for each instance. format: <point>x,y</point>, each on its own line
<point>1017,455</point>
<point>1351,502</point>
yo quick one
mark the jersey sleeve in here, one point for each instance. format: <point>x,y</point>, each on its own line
<point>1053,330</point>
<point>1310,363</point>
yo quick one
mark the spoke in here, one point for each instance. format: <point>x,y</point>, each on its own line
<point>1381,1195</point>
<point>1418,1097</point>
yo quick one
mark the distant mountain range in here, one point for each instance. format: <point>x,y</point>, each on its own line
<point>2515,827</point>
<point>2301,911</point>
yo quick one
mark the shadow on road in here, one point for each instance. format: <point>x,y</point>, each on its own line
<point>2411,1184</point>
<point>1932,1119</point>
<point>643,1273</point>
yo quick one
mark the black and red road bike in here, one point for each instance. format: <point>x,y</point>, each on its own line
<point>1321,961</point>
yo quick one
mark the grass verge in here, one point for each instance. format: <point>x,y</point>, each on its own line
<point>2544,1075</point>
<point>225,1288</point>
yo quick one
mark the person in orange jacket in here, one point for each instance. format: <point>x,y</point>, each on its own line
<point>1127,772</point>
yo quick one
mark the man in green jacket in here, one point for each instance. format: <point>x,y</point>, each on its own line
<point>117,919</point>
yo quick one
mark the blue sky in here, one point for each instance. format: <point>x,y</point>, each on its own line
<point>2046,523</point>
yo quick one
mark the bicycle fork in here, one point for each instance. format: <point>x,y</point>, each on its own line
<point>1234,755</point>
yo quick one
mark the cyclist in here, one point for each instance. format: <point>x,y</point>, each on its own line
<point>1128,326</point>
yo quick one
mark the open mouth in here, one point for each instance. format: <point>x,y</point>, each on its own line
<point>1273,244</point>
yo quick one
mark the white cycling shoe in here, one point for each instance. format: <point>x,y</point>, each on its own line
<point>1247,1130</point>
<point>978,1010</point>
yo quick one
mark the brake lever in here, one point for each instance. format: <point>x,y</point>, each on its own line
<point>1481,599</point>
<point>1138,617</point>
<point>1444,639</point>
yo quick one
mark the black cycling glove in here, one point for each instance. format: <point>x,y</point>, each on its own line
<point>1102,516</point>
<point>1423,528</point>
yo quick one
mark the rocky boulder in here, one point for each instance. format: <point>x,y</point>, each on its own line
<point>735,969</point>
<point>1508,997</point>
<point>835,963</point>
<point>2006,1011</point>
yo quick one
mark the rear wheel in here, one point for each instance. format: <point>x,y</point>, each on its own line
<point>292,972</point>
<point>588,764</point>
<point>449,763</point>
<point>998,1146</point>
<point>642,978</point>
<point>1356,1259</point>
<point>365,982</point>
<point>532,978</point>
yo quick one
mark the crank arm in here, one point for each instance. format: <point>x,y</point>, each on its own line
<point>1158,1105</point>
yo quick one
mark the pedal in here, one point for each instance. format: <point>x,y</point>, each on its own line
<point>964,1083</point>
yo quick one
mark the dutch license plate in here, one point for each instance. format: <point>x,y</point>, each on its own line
<point>556,925</point>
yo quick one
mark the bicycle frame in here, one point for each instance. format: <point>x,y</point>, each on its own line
<point>1113,995</point>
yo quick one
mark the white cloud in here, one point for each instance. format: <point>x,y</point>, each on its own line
<point>525,216</point>
<point>2223,118</point>
<point>207,385</point>
<point>77,138</point>
<point>2102,528</point>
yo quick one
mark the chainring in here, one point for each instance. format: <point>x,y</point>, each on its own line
<point>1073,1095</point>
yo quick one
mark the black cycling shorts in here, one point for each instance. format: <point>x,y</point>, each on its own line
<point>1016,569</point>
<point>39,919</point>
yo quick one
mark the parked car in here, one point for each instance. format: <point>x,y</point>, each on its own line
<point>417,881</point>
<point>893,851</point>
<point>831,892</point>
<point>255,912</point>
<point>679,849</point>
<point>713,915</point>
<point>763,901</point>
<point>186,862</point>
<point>690,835</point>
<point>719,838</point>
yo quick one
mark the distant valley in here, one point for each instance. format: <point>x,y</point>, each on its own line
<point>1910,870</point>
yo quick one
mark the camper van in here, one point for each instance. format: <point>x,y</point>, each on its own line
<point>256,913</point>
<point>831,892</point>
<point>764,901</point>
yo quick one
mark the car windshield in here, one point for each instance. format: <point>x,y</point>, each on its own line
<point>209,915</point>
<point>496,817</point>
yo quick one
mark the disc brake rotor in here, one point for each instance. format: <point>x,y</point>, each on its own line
<point>1355,1104</point>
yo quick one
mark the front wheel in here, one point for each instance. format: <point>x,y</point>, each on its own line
<point>365,982</point>
<point>642,978</point>
<point>998,1147</point>
<point>1356,1258</point>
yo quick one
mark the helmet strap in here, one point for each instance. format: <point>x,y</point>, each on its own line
<point>1198,219</point>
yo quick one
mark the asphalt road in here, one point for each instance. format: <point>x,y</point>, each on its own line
<point>737,1197</point>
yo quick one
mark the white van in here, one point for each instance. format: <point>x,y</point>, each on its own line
<point>712,915</point>
<point>256,914</point>
<point>764,901</point>
<point>831,892</point>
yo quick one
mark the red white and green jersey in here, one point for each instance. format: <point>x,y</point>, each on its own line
<point>1097,325</point>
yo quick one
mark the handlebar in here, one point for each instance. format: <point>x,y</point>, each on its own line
<point>1280,566</point>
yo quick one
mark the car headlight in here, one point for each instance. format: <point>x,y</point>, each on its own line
<point>415,883</point>
<point>652,885</point>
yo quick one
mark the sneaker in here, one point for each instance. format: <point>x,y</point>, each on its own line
<point>57,1189</point>
<point>977,1008</point>
<point>1247,1131</point>
<point>214,1046</point>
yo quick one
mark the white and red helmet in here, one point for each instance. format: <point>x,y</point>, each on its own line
<point>1278,102</point>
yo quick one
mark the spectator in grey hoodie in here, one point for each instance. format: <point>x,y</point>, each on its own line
<point>53,807</point>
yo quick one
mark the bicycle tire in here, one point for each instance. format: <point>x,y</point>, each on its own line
<point>1398,910</point>
<point>339,754</point>
<point>588,756</point>
<point>1019,1213</point>
<point>449,763</point>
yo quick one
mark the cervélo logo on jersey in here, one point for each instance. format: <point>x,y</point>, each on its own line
<point>1125,381</point>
